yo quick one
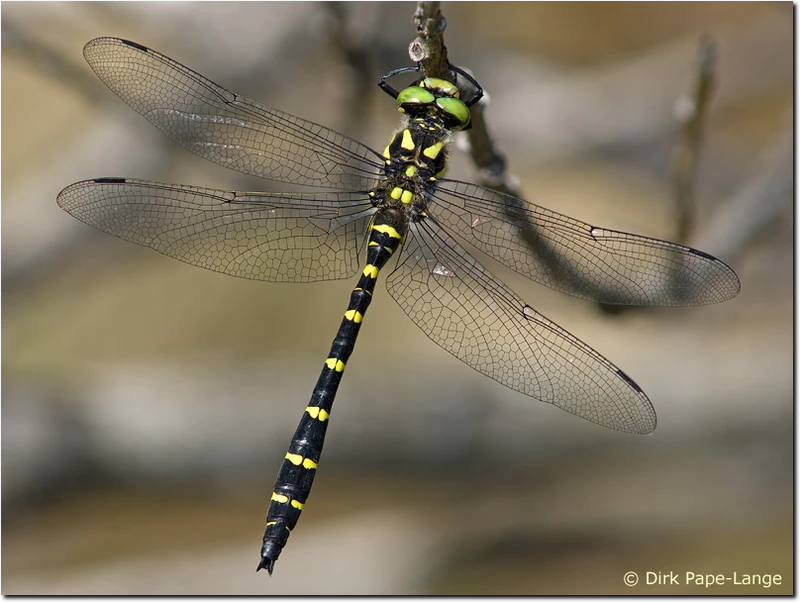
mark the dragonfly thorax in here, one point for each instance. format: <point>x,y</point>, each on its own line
<point>415,156</point>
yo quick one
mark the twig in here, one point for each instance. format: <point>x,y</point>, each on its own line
<point>428,48</point>
<point>757,203</point>
<point>691,113</point>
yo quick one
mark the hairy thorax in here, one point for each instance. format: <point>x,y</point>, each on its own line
<point>415,156</point>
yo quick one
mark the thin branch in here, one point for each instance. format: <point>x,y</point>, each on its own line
<point>691,111</point>
<point>758,202</point>
<point>428,48</point>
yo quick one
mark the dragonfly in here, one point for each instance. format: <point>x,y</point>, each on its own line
<point>391,206</point>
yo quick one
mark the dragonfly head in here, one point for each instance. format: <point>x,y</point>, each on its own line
<point>434,96</point>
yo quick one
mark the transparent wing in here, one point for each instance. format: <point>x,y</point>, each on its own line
<point>274,237</point>
<point>226,128</point>
<point>577,258</point>
<point>466,311</point>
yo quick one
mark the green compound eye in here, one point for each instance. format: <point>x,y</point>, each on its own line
<point>445,87</point>
<point>414,95</point>
<point>456,110</point>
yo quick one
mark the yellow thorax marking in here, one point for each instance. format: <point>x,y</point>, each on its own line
<point>407,196</point>
<point>396,193</point>
<point>433,151</point>
<point>408,141</point>
<point>371,271</point>
<point>410,171</point>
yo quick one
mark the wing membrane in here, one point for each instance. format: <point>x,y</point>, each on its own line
<point>261,236</point>
<point>577,258</point>
<point>466,311</point>
<point>226,128</point>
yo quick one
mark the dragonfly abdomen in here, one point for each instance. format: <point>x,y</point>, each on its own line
<point>296,475</point>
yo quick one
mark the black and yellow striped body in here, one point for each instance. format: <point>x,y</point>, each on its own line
<point>300,464</point>
<point>414,156</point>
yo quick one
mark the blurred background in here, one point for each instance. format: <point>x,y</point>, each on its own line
<point>147,404</point>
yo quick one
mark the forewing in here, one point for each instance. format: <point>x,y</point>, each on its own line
<point>226,128</point>
<point>577,258</point>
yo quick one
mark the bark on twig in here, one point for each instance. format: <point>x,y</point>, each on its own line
<point>757,203</point>
<point>428,48</point>
<point>691,110</point>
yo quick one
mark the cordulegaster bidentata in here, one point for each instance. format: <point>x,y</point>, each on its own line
<point>399,205</point>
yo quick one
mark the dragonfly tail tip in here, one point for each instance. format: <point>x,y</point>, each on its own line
<point>266,563</point>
